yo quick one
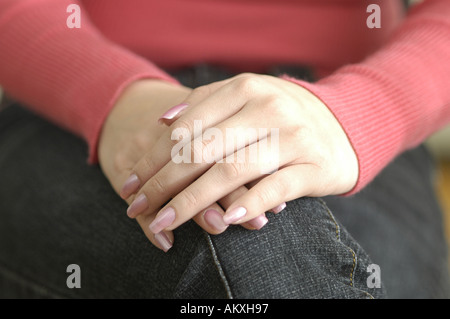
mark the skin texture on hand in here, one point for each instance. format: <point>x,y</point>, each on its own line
<point>315,157</point>
<point>131,129</point>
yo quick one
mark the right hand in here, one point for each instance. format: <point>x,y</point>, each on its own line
<point>130,131</point>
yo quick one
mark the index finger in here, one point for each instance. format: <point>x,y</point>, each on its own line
<point>220,105</point>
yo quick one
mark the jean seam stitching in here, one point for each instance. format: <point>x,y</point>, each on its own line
<point>35,286</point>
<point>338,237</point>
<point>218,265</point>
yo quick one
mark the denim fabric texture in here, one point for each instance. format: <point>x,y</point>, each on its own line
<point>56,210</point>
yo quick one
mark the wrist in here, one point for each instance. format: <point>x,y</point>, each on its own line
<point>150,95</point>
<point>136,112</point>
<point>154,92</point>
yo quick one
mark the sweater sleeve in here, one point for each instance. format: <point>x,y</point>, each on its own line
<point>71,76</point>
<point>394,99</point>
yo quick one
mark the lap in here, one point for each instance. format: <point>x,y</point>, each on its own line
<point>398,221</point>
<point>56,210</point>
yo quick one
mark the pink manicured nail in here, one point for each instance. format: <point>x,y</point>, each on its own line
<point>164,241</point>
<point>173,111</point>
<point>130,186</point>
<point>139,204</point>
<point>279,208</point>
<point>214,219</point>
<point>164,219</point>
<point>258,222</point>
<point>234,215</point>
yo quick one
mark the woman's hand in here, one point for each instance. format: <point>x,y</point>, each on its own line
<point>131,129</point>
<point>302,151</point>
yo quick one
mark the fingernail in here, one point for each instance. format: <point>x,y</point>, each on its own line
<point>258,222</point>
<point>164,219</point>
<point>164,241</point>
<point>234,215</point>
<point>130,186</point>
<point>173,111</point>
<point>279,208</point>
<point>139,204</point>
<point>214,219</point>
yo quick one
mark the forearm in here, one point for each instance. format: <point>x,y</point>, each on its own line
<point>396,98</point>
<point>70,76</point>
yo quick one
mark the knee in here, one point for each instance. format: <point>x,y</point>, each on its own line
<point>301,253</point>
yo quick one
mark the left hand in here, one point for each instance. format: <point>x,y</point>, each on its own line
<point>130,130</point>
<point>313,156</point>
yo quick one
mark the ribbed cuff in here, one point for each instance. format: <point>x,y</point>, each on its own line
<point>375,133</point>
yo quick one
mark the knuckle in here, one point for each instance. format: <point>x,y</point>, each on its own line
<point>230,171</point>
<point>200,92</point>
<point>276,103</point>
<point>301,134</point>
<point>246,75</point>
<point>149,163</point>
<point>248,83</point>
<point>276,106</point>
<point>189,198</point>
<point>262,196</point>
<point>157,186</point>
<point>198,149</point>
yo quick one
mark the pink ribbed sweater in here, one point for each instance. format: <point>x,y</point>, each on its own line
<point>389,88</point>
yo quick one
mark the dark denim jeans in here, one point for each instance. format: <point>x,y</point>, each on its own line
<point>55,210</point>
